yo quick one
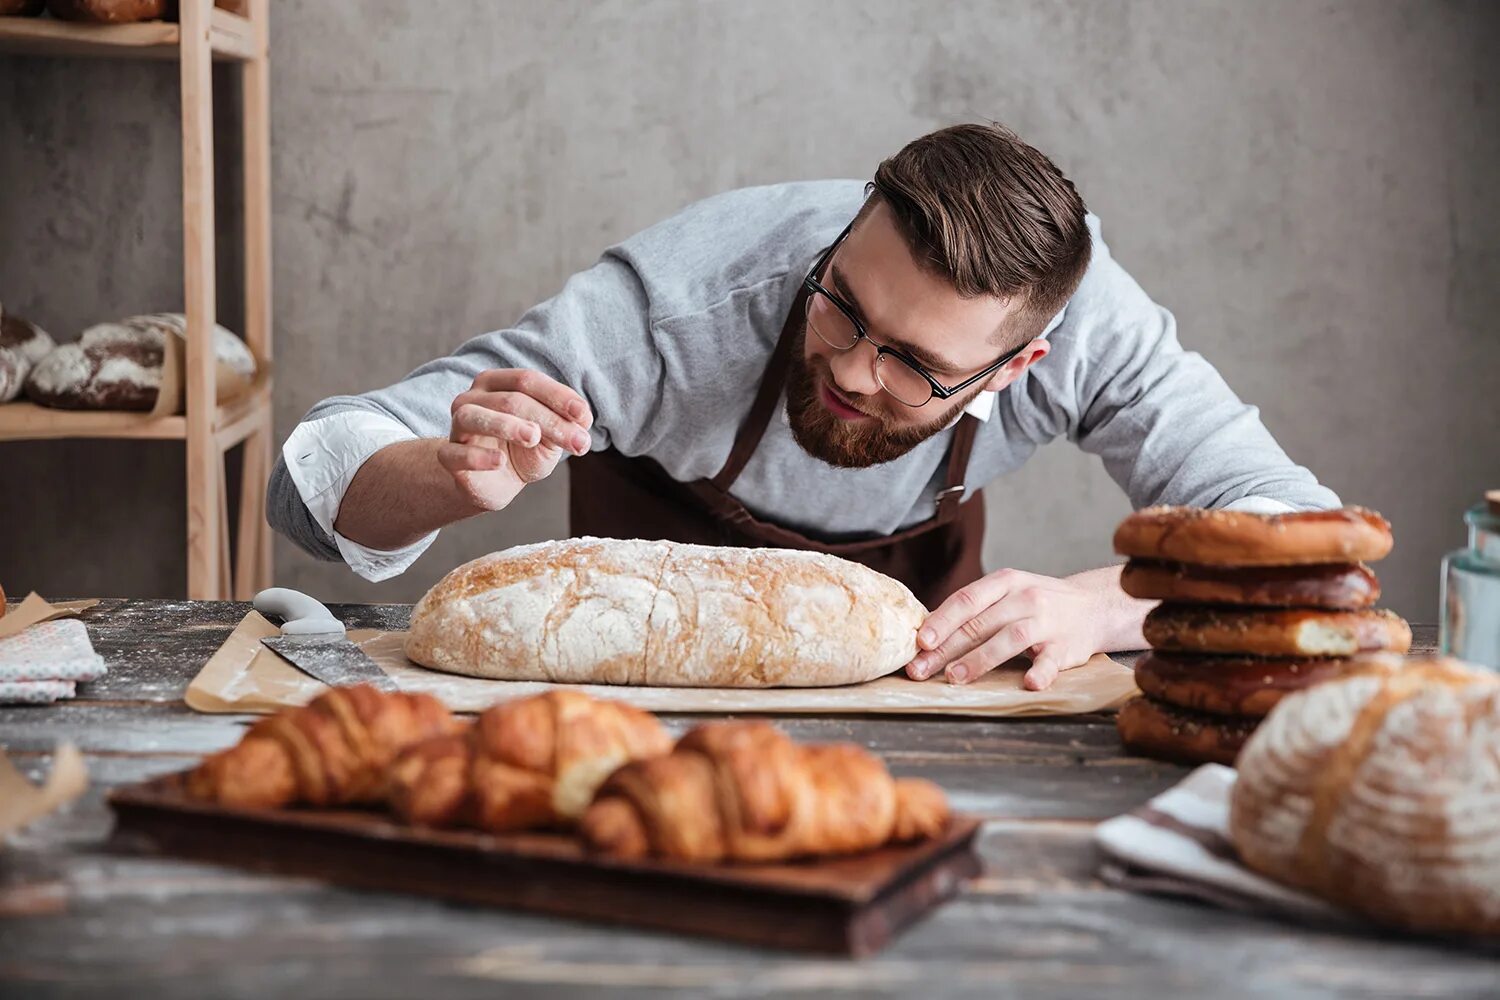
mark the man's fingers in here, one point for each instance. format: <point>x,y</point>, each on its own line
<point>1044,670</point>
<point>458,458</point>
<point>1010,641</point>
<point>1050,659</point>
<point>963,605</point>
<point>474,421</point>
<point>474,409</point>
<point>1013,607</point>
<point>551,393</point>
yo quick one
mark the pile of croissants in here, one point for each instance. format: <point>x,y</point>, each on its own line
<point>726,791</point>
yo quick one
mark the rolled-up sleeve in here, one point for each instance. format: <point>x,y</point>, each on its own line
<point>594,336</point>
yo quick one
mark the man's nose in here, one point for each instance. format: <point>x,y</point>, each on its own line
<point>854,369</point>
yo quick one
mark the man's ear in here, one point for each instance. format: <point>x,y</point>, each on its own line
<point>1012,369</point>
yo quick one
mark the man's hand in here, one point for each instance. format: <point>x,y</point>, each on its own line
<point>510,430</point>
<point>1060,623</point>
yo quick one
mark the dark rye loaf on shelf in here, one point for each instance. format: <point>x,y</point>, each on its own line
<point>22,345</point>
<point>119,366</point>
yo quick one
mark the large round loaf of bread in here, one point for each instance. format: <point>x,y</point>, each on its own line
<point>604,611</point>
<point>1381,792</point>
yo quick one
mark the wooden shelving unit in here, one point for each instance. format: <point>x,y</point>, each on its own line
<point>203,34</point>
<point>231,36</point>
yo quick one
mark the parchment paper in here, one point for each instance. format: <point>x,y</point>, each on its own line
<point>33,610</point>
<point>245,676</point>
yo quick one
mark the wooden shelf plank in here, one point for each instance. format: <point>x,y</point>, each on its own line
<point>233,36</point>
<point>239,418</point>
<point>28,422</point>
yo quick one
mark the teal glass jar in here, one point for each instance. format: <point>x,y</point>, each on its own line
<point>1470,597</point>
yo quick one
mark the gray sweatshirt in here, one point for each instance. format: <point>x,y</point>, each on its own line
<point>667,335</point>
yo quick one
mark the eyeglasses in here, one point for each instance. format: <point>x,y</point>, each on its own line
<point>835,324</point>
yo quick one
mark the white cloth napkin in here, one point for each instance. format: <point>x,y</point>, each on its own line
<point>1178,844</point>
<point>46,661</point>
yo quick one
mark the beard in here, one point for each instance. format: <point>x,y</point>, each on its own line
<point>840,443</point>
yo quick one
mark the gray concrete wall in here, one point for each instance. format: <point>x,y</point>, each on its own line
<point>1309,186</point>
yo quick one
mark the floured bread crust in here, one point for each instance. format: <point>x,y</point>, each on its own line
<point>605,611</point>
<point>1381,792</point>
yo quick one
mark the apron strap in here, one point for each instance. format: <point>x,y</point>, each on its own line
<point>962,446</point>
<point>772,381</point>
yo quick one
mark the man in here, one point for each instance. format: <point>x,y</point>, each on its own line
<point>822,365</point>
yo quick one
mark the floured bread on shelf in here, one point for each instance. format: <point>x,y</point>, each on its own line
<point>1381,792</point>
<point>607,611</point>
<point>119,365</point>
<point>23,345</point>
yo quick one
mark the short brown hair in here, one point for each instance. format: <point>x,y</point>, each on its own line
<point>990,214</point>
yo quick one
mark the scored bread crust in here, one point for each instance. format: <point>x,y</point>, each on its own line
<point>608,611</point>
<point>1239,538</point>
<point>1380,792</point>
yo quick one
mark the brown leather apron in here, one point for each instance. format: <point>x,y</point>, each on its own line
<point>615,496</point>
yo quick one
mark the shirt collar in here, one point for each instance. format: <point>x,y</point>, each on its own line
<point>982,406</point>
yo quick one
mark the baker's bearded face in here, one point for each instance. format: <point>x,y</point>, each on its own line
<point>855,443</point>
<point>840,412</point>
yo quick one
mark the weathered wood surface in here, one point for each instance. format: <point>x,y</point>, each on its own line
<point>76,919</point>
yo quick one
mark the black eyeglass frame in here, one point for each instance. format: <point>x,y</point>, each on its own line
<point>941,391</point>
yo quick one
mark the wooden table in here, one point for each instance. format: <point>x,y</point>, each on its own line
<point>76,919</point>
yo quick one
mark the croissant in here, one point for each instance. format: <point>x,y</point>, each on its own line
<point>332,751</point>
<point>743,791</point>
<point>529,763</point>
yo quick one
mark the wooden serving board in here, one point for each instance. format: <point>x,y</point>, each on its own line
<point>853,906</point>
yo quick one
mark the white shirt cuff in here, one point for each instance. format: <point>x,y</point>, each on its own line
<point>1260,505</point>
<point>322,457</point>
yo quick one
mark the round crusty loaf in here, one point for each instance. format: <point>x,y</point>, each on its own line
<point>1166,732</point>
<point>1239,538</point>
<point>1188,628</point>
<point>606,611</point>
<point>1231,685</point>
<point>1316,586</point>
<point>1381,792</point>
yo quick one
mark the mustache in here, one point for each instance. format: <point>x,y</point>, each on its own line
<point>824,374</point>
